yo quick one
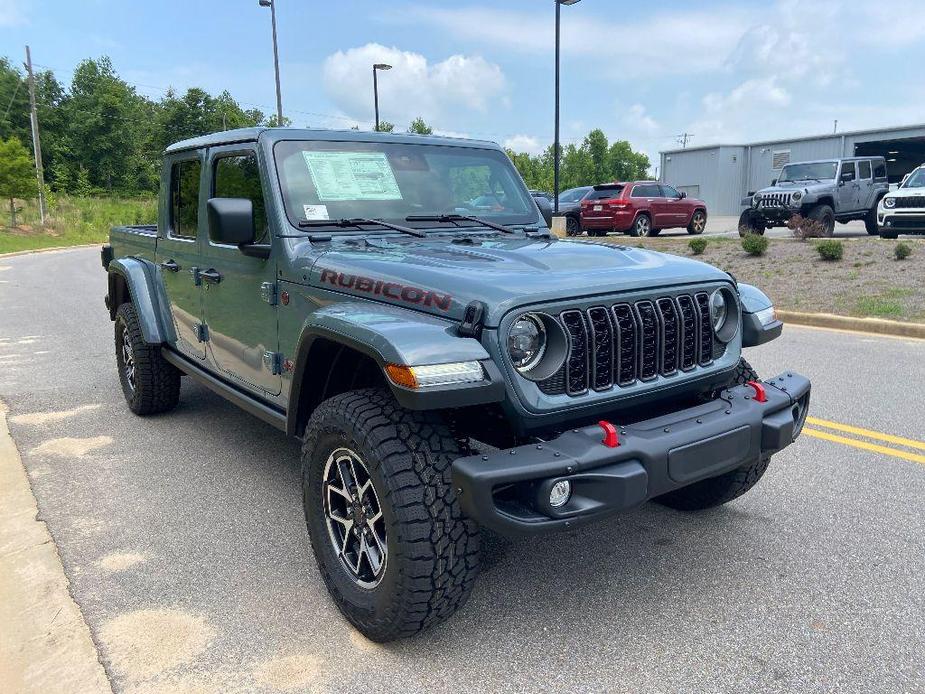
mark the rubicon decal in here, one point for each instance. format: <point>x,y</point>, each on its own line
<point>390,290</point>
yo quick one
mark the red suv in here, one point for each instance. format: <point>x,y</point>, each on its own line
<point>643,208</point>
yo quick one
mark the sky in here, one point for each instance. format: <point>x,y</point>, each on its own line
<point>646,72</point>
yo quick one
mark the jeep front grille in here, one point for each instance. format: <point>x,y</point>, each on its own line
<point>774,200</point>
<point>912,201</point>
<point>621,344</point>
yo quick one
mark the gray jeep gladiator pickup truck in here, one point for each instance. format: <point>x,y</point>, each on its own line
<point>446,368</point>
<point>825,192</point>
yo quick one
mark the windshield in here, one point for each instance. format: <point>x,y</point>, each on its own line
<point>916,180</point>
<point>573,195</point>
<point>819,171</point>
<point>375,180</point>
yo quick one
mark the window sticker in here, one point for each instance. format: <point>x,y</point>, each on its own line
<point>315,211</point>
<point>352,176</point>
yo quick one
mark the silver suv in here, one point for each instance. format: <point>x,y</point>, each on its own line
<point>826,191</point>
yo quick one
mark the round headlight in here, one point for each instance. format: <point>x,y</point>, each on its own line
<point>889,202</point>
<point>797,196</point>
<point>526,341</point>
<point>718,310</point>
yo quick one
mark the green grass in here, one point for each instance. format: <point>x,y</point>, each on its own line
<point>72,221</point>
<point>883,305</point>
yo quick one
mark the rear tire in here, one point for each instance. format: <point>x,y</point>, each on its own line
<point>825,215</point>
<point>716,491</point>
<point>150,383</point>
<point>698,223</point>
<point>750,223</point>
<point>431,556</point>
<point>870,221</point>
<point>642,227</point>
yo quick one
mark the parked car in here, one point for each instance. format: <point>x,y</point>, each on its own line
<point>444,371</point>
<point>827,191</point>
<point>642,208</point>
<point>570,208</point>
<point>544,203</point>
<point>542,194</point>
<point>903,211</point>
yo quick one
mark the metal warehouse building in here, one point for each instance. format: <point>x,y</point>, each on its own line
<point>722,175</point>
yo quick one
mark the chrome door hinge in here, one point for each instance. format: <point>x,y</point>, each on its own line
<point>269,293</point>
<point>274,362</point>
<point>202,332</point>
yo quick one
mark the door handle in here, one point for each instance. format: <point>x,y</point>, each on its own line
<point>170,265</point>
<point>212,276</point>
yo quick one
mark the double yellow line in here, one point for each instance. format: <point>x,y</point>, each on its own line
<point>812,422</point>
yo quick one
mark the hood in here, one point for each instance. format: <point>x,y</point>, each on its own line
<point>907,193</point>
<point>442,276</point>
<point>790,186</point>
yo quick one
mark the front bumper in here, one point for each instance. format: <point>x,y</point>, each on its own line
<point>903,222</point>
<point>508,490</point>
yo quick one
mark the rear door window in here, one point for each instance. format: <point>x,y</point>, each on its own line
<point>184,198</point>
<point>863,169</point>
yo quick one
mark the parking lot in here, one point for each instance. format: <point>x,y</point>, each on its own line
<point>184,540</point>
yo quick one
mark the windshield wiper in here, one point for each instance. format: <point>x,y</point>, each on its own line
<point>360,222</point>
<point>458,218</point>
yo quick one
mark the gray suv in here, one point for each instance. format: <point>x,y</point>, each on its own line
<point>446,369</point>
<point>826,191</point>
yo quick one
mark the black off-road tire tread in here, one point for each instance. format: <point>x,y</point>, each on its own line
<point>748,225</point>
<point>716,491</point>
<point>158,381</point>
<point>439,546</point>
<point>817,213</point>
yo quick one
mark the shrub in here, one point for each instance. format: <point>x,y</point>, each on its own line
<point>804,228</point>
<point>698,245</point>
<point>830,250</point>
<point>753,244</point>
<point>902,251</point>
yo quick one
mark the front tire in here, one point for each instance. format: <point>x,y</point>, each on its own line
<point>750,223</point>
<point>825,216</point>
<point>150,383</point>
<point>716,491</point>
<point>870,221</point>
<point>698,223</point>
<point>403,499</point>
<point>572,226</point>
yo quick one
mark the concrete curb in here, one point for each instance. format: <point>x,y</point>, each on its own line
<point>45,644</point>
<point>877,326</point>
<point>49,250</point>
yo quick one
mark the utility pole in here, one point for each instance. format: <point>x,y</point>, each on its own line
<point>279,93</point>
<point>836,126</point>
<point>683,138</point>
<point>36,144</point>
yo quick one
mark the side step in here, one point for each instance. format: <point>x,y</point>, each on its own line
<point>245,401</point>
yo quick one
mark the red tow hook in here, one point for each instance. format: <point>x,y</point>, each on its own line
<point>760,395</point>
<point>611,440</point>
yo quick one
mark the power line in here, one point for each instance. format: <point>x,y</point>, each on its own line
<point>683,138</point>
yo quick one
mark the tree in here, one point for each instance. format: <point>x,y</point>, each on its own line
<point>17,174</point>
<point>385,127</point>
<point>420,127</point>
<point>273,122</point>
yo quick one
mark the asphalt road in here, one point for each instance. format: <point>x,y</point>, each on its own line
<point>184,540</point>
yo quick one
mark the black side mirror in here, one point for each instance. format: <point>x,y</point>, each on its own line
<point>231,221</point>
<point>682,195</point>
<point>773,181</point>
<point>545,207</point>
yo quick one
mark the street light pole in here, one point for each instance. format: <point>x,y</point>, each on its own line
<point>556,146</point>
<point>279,94</point>
<point>377,66</point>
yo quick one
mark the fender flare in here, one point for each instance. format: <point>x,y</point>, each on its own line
<point>142,282</point>
<point>394,335</point>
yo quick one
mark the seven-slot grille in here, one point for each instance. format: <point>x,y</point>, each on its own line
<point>773,199</point>
<point>621,344</point>
<point>911,201</point>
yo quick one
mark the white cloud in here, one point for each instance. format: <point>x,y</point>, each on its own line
<point>693,36</point>
<point>638,120</point>
<point>414,87</point>
<point>524,144</point>
<point>13,12</point>
<point>751,93</point>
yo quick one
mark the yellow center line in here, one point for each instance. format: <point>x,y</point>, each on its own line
<point>864,445</point>
<point>858,431</point>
